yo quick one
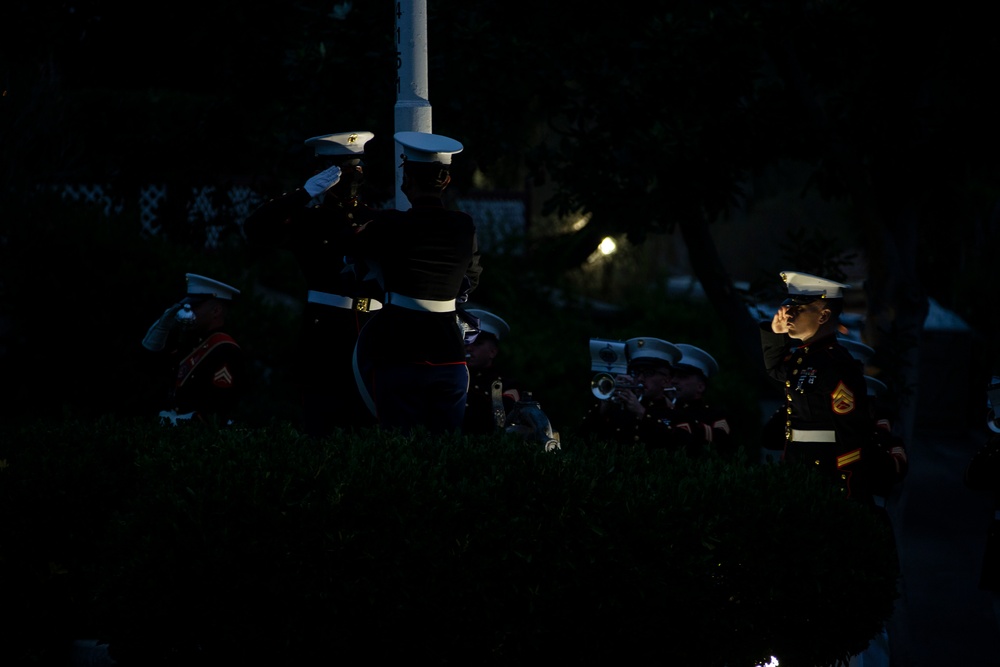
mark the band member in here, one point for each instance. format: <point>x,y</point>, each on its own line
<point>640,409</point>
<point>983,474</point>
<point>203,365</point>
<point>707,424</point>
<point>885,459</point>
<point>492,395</point>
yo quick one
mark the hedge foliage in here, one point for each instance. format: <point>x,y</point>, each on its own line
<point>193,546</point>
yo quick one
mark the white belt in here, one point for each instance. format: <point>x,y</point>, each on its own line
<point>428,305</point>
<point>813,436</point>
<point>338,301</point>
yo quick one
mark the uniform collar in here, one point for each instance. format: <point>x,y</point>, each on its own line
<point>427,201</point>
<point>825,338</point>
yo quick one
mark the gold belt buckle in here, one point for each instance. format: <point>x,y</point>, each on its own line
<point>361,304</point>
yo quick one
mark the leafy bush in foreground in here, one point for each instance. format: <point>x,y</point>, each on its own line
<point>194,546</point>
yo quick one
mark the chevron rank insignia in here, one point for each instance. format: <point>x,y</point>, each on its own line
<point>843,399</point>
<point>222,377</point>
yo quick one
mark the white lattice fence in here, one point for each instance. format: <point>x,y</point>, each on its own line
<point>91,194</point>
<point>243,201</point>
<point>500,219</point>
<point>202,210</point>
<point>204,207</point>
<point>150,198</point>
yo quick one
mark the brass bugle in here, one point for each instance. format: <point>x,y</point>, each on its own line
<point>604,386</point>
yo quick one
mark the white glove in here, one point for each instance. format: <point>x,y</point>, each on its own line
<point>323,181</point>
<point>156,337</point>
<point>172,418</point>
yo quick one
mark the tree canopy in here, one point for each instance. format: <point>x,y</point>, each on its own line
<point>649,118</point>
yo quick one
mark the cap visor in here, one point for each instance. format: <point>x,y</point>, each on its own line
<point>800,299</point>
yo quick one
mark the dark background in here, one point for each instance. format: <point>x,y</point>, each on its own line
<point>654,122</point>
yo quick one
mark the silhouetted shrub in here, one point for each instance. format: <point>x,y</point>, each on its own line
<point>195,546</point>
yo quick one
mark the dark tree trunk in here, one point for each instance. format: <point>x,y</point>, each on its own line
<point>718,285</point>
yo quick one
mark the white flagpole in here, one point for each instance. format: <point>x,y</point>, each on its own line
<point>413,107</point>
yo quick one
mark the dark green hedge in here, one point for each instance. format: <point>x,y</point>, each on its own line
<point>189,546</point>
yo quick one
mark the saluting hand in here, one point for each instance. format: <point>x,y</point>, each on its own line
<point>322,181</point>
<point>779,323</point>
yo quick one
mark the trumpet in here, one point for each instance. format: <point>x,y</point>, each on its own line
<point>604,386</point>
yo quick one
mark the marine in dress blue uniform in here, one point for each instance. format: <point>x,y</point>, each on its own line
<point>205,376</point>
<point>983,474</point>
<point>708,424</point>
<point>492,396</point>
<point>342,294</point>
<point>827,418</point>
<point>410,358</point>
<point>884,456</point>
